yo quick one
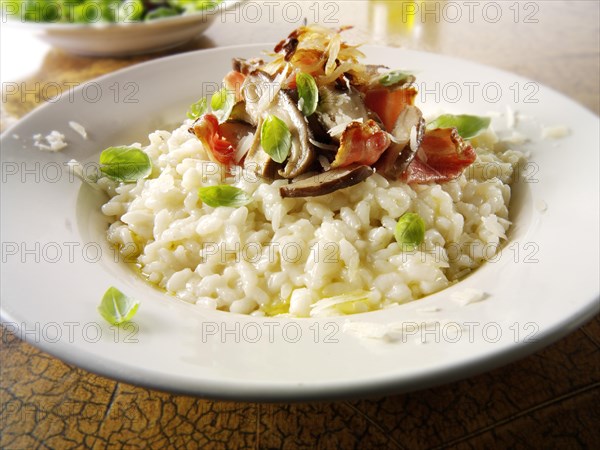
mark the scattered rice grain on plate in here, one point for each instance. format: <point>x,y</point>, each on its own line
<point>541,206</point>
<point>79,129</point>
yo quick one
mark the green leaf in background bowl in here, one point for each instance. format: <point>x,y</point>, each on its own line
<point>162,12</point>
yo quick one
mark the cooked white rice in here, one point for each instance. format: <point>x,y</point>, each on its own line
<point>314,256</point>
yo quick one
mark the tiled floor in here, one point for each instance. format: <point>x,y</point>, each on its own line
<point>549,399</point>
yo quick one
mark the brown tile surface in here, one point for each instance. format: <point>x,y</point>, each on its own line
<point>319,425</point>
<point>47,402</point>
<point>432,417</point>
<point>549,397</point>
<point>141,418</point>
<point>592,330</point>
<point>578,418</point>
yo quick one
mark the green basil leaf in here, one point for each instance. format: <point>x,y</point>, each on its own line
<point>222,103</point>
<point>195,5</point>
<point>394,77</point>
<point>128,11</point>
<point>275,138</point>
<point>467,126</point>
<point>223,195</point>
<point>308,93</point>
<point>161,12</point>
<point>127,164</point>
<point>197,109</point>
<point>116,307</point>
<point>410,231</point>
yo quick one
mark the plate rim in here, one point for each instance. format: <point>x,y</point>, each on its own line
<point>354,389</point>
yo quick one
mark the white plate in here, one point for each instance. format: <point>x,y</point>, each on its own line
<point>543,285</point>
<point>123,39</point>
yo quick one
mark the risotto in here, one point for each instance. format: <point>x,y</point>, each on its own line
<point>306,254</point>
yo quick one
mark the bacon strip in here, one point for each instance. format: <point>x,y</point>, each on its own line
<point>206,128</point>
<point>388,104</point>
<point>442,157</point>
<point>361,143</point>
<point>402,151</point>
<point>233,81</point>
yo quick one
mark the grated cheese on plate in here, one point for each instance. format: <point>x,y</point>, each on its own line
<point>556,132</point>
<point>468,296</point>
<point>55,141</point>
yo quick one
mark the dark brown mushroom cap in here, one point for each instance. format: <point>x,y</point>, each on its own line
<point>327,182</point>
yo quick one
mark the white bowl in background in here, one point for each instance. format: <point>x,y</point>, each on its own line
<point>124,39</point>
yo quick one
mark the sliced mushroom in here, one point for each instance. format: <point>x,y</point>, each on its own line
<point>303,152</point>
<point>239,113</point>
<point>258,161</point>
<point>246,66</point>
<point>279,103</point>
<point>336,107</point>
<point>234,130</point>
<point>408,134</point>
<point>327,182</point>
<point>316,130</point>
